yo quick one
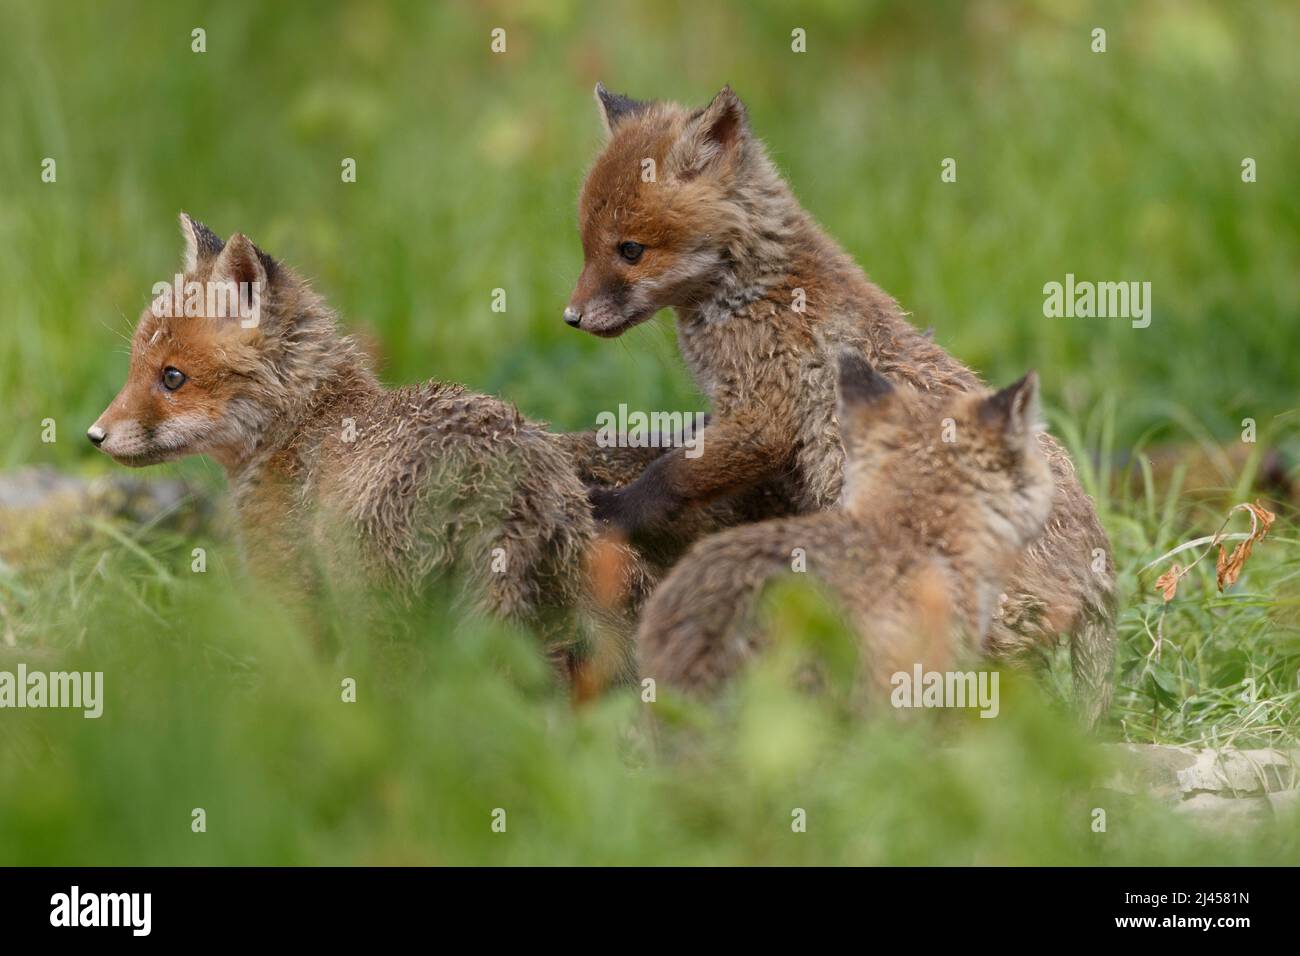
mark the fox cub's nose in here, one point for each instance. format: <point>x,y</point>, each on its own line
<point>96,435</point>
<point>573,316</point>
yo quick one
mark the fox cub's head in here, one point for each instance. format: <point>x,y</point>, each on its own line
<point>209,357</point>
<point>661,207</point>
<point>977,453</point>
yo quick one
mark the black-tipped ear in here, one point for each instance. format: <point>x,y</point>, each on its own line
<point>860,384</point>
<point>725,119</point>
<point>1014,409</point>
<point>615,107</point>
<point>201,243</point>
<point>715,132</point>
<point>241,261</point>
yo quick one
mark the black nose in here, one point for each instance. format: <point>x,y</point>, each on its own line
<point>96,435</point>
<point>573,316</point>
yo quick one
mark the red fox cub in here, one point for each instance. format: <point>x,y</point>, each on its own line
<point>684,209</point>
<point>939,504</point>
<point>337,479</point>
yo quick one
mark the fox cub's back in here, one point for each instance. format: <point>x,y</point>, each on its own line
<point>434,475</point>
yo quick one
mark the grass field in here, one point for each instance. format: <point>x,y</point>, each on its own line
<point>1122,165</point>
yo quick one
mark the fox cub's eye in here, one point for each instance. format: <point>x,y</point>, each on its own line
<point>173,378</point>
<point>631,251</point>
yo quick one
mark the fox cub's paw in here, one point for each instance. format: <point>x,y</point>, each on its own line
<point>635,507</point>
<point>608,506</point>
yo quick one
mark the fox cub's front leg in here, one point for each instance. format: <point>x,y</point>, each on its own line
<point>731,454</point>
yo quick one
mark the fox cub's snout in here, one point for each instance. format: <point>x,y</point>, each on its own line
<point>653,214</point>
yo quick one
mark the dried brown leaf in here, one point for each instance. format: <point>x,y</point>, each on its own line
<point>1228,566</point>
<point>1168,582</point>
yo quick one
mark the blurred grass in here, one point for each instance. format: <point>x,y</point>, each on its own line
<point>1124,165</point>
<point>219,704</point>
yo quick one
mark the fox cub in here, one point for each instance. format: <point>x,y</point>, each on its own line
<point>335,478</point>
<point>939,504</point>
<point>683,209</point>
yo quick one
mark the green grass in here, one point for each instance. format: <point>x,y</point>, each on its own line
<point>1123,165</point>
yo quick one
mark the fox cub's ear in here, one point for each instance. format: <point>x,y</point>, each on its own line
<point>1015,409</point>
<point>713,135</point>
<point>860,384</point>
<point>201,244</point>
<point>242,262</point>
<point>615,107</point>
